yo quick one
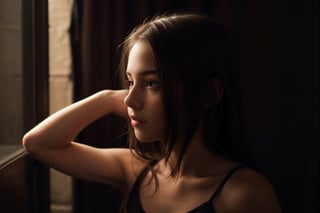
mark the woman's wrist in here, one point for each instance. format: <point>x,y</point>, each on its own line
<point>114,102</point>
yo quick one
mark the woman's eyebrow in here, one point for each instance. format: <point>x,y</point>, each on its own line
<point>145,72</point>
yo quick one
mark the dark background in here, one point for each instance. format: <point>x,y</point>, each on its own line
<point>275,46</point>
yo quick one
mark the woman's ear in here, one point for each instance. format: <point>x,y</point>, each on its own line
<point>215,92</point>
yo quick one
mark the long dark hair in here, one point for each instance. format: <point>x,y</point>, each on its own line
<point>190,49</point>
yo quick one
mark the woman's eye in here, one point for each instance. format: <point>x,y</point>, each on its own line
<point>129,83</point>
<point>152,83</point>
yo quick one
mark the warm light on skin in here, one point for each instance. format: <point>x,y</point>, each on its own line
<point>144,101</point>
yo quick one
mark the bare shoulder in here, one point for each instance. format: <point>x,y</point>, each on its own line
<point>247,191</point>
<point>132,166</point>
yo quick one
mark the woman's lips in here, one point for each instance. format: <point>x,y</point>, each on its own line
<point>135,121</point>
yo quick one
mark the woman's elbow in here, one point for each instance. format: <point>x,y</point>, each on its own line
<point>30,143</point>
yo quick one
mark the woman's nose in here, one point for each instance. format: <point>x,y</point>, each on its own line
<point>133,99</point>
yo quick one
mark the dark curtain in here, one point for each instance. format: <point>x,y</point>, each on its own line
<point>275,51</point>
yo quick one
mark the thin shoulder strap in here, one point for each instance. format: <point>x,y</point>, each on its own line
<point>142,175</point>
<point>134,203</point>
<point>224,180</point>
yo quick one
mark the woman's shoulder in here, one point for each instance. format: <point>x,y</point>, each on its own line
<point>125,164</point>
<point>247,191</point>
<point>133,165</point>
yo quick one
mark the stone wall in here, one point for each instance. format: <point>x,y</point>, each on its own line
<point>60,70</point>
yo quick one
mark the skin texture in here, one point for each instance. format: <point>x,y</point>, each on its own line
<point>51,142</point>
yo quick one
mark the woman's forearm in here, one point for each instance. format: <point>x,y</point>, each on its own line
<point>59,129</point>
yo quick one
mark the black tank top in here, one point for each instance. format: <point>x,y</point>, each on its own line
<point>134,203</point>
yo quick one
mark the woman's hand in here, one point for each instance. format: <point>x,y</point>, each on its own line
<point>118,96</point>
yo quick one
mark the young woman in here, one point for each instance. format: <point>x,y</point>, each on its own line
<point>181,156</point>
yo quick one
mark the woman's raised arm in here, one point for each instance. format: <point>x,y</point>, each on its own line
<point>51,141</point>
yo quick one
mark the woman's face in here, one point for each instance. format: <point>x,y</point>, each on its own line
<point>144,102</point>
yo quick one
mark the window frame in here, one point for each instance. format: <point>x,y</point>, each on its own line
<point>31,177</point>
